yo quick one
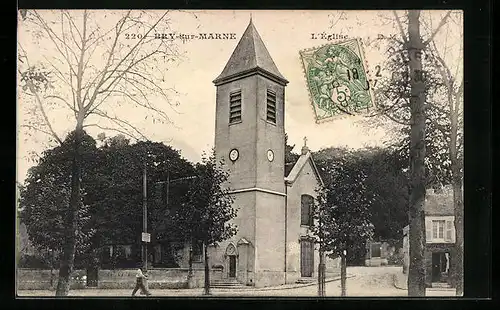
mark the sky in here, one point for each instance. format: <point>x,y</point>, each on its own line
<point>284,33</point>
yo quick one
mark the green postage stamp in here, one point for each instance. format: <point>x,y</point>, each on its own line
<point>336,77</point>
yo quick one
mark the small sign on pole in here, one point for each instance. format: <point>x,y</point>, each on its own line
<point>146,237</point>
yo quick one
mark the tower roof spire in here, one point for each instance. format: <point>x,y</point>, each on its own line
<point>250,54</point>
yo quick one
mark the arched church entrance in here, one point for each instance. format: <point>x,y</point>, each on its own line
<point>231,259</point>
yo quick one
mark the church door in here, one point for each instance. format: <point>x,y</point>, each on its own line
<point>231,255</point>
<point>232,266</point>
<point>306,258</point>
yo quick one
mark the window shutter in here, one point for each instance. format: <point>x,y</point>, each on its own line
<point>428,231</point>
<point>271,106</point>
<point>235,107</point>
<point>448,231</point>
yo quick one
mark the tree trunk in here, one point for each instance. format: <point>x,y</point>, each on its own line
<point>343,273</point>
<point>69,246</point>
<point>459,238</point>
<point>321,274</point>
<point>458,253</point>
<point>416,275</point>
<point>458,205</point>
<point>190,267</point>
<point>207,271</point>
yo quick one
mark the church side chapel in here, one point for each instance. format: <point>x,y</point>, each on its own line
<point>274,243</point>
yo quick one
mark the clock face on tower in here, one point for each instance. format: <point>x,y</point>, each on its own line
<point>234,154</point>
<point>270,155</point>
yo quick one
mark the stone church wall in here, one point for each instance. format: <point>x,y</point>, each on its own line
<point>243,138</point>
<point>270,240</point>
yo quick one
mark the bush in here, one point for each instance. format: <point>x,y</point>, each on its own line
<point>33,261</point>
<point>396,259</point>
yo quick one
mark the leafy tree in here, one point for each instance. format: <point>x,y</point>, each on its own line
<point>208,213</point>
<point>45,195</point>
<point>119,191</point>
<point>121,184</point>
<point>388,185</point>
<point>342,212</point>
<point>290,156</point>
<point>385,182</point>
<point>112,195</point>
<point>87,86</point>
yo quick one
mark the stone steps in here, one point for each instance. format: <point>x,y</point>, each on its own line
<point>305,280</point>
<point>227,283</point>
<point>440,285</point>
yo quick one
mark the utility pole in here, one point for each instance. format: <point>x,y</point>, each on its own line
<point>145,217</point>
<point>168,182</point>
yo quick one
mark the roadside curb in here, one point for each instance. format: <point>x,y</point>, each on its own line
<point>283,287</point>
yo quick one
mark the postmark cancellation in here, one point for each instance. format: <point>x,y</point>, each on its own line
<point>337,80</point>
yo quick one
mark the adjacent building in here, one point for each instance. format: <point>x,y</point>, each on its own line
<point>439,236</point>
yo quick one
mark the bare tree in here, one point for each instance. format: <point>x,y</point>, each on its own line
<point>405,104</point>
<point>416,278</point>
<point>92,73</point>
<point>450,108</point>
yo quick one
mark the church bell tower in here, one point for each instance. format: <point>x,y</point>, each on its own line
<point>250,138</point>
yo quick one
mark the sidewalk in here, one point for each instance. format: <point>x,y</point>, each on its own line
<point>95,292</point>
<point>401,283</point>
<point>288,286</point>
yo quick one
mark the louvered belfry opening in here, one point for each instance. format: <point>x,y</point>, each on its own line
<point>235,107</point>
<point>271,106</point>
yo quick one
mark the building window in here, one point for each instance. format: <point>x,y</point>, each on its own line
<point>235,107</point>
<point>307,208</point>
<point>271,106</point>
<point>438,229</point>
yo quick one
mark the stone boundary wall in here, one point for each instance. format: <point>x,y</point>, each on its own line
<point>164,278</point>
<point>45,279</point>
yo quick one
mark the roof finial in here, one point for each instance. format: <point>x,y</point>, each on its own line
<point>305,149</point>
<point>250,17</point>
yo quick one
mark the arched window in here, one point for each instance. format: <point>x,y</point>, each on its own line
<point>307,202</point>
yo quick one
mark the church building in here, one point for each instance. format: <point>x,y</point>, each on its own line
<point>274,243</point>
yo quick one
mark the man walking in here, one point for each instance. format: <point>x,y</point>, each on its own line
<point>140,283</point>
